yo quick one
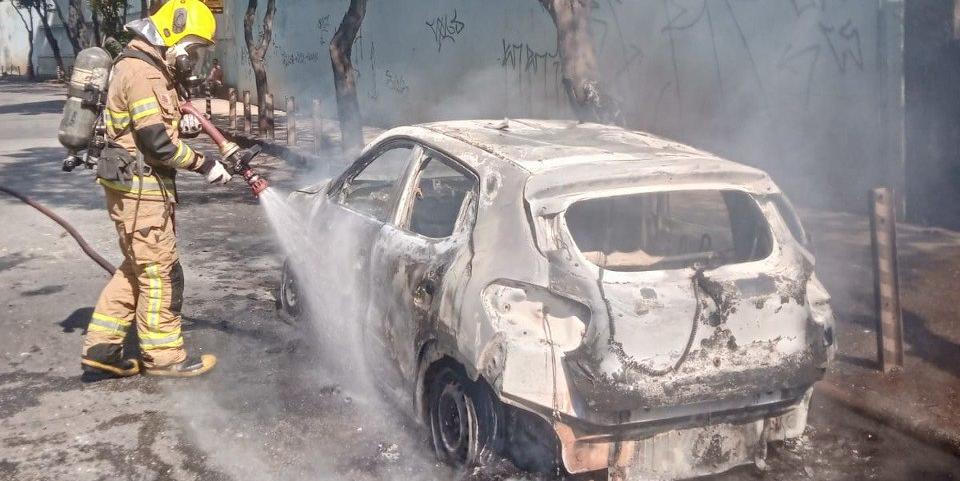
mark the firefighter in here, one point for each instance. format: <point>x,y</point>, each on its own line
<point>144,128</point>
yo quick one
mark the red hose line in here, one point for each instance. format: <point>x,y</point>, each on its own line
<point>69,228</point>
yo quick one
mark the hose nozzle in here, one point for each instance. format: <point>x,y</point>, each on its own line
<point>236,158</point>
<point>257,184</point>
<point>239,162</point>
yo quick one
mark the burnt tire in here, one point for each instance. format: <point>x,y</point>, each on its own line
<point>290,302</point>
<point>465,418</point>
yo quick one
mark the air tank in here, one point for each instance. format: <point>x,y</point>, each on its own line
<point>85,98</point>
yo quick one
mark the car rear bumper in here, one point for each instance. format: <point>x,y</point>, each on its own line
<point>681,447</point>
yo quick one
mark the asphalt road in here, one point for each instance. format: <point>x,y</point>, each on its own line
<point>269,410</point>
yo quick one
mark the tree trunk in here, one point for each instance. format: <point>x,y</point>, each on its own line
<point>95,20</point>
<point>48,33</point>
<point>345,78</point>
<point>68,27</point>
<point>31,70</point>
<point>80,23</point>
<point>28,26</point>
<point>258,53</point>
<point>578,62</point>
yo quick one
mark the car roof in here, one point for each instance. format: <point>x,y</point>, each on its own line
<point>564,159</point>
<point>540,145</point>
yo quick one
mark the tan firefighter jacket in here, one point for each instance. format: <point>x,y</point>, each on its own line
<point>142,114</point>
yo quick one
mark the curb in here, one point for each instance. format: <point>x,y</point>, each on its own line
<point>875,407</point>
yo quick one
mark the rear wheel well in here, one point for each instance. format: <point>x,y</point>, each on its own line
<point>529,441</point>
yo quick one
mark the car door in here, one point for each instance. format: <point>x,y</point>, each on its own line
<point>345,228</point>
<point>416,256</point>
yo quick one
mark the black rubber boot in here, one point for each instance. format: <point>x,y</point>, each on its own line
<point>191,367</point>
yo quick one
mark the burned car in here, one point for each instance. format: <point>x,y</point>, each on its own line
<point>629,302</point>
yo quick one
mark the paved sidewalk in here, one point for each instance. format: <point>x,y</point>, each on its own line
<point>924,398</point>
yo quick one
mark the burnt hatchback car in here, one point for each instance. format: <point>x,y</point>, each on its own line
<point>627,302</point>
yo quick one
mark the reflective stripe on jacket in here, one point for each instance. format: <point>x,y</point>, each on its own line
<point>143,114</point>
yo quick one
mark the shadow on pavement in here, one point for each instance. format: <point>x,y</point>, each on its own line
<point>930,346</point>
<point>34,108</point>
<point>36,173</point>
<point>77,320</point>
<point>869,364</point>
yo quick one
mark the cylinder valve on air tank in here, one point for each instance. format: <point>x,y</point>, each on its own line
<point>86,97</point>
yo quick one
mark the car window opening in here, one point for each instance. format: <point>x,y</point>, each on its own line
<point>439,198</point>
<point>669,230</point>
<point>372,190</point>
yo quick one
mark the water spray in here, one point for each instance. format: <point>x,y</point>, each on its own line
<point>237,159</point>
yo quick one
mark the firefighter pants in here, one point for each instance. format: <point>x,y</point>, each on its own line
<point>147,288</point>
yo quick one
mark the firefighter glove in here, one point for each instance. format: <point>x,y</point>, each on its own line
<point>189,126</point>
<point>215,172</point>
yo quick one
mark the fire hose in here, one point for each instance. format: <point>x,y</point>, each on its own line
<point>69,228</point>
<point>238,160</point>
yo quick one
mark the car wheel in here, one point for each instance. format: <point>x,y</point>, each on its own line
<point>464,418</point>
<point>289,300</point>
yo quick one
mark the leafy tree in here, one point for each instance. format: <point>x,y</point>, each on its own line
<point>578,62</point>
<point>257,51</point>
<point>111,16</point>
<point>345,77</point>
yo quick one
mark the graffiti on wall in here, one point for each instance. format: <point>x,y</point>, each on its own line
<point>445,28</point>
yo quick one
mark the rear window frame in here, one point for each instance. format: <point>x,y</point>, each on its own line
<point>556,226</point>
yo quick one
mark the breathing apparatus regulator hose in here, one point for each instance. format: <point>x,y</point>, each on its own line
<point>69,228</point>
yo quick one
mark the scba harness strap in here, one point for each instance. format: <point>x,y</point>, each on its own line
<point>117,164</point>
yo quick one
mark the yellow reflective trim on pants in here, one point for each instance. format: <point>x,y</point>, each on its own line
<point>150,186</point>
<point>154,295</point>
<point>105,323</point>
<point>158,340</point>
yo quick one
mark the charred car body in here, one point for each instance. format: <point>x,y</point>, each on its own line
<point>652,307</point>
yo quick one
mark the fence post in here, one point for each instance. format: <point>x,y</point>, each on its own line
<point>317,127</point>
<point>291,121</point>
<point>247,116</point>
<point>232,113</point>
<point>883,236</point>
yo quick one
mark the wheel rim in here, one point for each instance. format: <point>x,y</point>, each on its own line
<point>453,422</point>
<point>289,293</point>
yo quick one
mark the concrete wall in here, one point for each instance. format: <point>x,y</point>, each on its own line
<point>13,41</point>
<point>807,89</point>
<point>932,71</point>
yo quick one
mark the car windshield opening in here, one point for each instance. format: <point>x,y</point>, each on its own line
<point>669,230</point>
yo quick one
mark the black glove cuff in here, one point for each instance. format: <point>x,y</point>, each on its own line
<point>207,166</point>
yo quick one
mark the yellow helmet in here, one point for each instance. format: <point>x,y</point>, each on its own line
<point>178,19</point>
